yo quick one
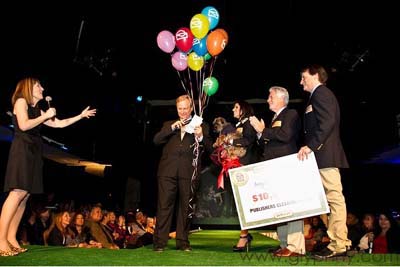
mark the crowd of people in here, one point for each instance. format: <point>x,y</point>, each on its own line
<point>87,226</point>
<point>369,233</point>
<point>92,226</point>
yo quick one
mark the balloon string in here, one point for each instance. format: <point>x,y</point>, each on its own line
<point>212,65</point>
<point>196,153</point>
<point>182,82</point>
<point>191,93</point>
<point>199,87</point>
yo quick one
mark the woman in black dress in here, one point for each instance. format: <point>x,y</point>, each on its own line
<point>24,169</point>
<point>242,111</point>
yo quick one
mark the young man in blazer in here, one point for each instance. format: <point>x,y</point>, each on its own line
<point>322,136</point>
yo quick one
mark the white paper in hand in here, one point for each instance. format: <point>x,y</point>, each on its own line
<point>196,121</point>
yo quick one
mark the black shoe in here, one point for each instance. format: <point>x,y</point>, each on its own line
<point>326,253</point>
<point>158,249</point>
<point>246,247</point>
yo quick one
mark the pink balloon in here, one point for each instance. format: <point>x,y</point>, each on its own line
<point>166,41</point>
<point>179,61</point>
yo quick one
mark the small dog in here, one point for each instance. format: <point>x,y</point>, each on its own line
<point>227,132</point>
<point>221,126</point>
<point>231,151</point>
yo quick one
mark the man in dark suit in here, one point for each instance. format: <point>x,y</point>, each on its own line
<point>322,136</point>
<point>278,140</point>
<point>175,173</point>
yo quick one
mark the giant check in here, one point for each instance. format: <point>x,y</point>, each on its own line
<point>278,190</point>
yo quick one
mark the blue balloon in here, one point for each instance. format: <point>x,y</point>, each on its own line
<point>200,46</point>
<point>212,15</point>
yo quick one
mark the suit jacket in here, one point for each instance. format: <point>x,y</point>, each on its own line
<point>322,129</point>
<point>99,233</point>
<point>280,139</point>
<point>177,155</point>
<point>248,141</point>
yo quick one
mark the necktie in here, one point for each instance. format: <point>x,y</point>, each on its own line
<point>182,132</point>
<point>274,117</point>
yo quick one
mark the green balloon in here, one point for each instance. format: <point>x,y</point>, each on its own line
<point>207,56</point>
<point>210,86</point>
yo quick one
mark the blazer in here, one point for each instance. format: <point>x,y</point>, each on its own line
<point>99,233</point>
<point>177,155</point>
<point>280,139</point>
<point>322,129</point>
<point>248,141</point>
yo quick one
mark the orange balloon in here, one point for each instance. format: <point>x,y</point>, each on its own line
<point>216,42</point>
<point>223,32</point>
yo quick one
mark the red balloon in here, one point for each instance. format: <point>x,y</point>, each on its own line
<point>184,39</point>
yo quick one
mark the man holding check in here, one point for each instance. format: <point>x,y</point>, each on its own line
<point>278,140</point>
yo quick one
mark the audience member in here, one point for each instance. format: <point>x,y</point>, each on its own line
<point>387,235</point>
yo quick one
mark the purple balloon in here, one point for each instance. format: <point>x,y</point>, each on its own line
<point>179,61</point>
<point>166,41</point>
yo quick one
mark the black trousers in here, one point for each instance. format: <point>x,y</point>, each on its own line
<point>172,191</point>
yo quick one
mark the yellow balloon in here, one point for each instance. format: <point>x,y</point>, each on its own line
<point>199,25</point>
<point>195,62</point>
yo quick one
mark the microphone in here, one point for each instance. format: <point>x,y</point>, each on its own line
<point>48,99</point>
<point>370,244</point>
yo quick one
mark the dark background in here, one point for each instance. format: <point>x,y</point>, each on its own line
<point>105,55</point>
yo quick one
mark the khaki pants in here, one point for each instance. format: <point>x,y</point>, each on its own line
<point>337,229</point>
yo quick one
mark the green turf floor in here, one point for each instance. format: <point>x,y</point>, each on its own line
<point>210,248</point>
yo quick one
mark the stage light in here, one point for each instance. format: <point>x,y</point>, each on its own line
<point>139,98</point>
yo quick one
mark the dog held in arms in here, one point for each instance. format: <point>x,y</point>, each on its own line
<point>222,144</point>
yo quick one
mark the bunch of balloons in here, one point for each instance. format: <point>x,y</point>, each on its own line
<point>192,48</point>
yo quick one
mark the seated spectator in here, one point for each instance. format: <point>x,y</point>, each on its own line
<point>307,226</point>
<point>387,235</point>
<point>106,218</point>
<point>81,233</point>
<point>317,237</point>
<point>58,232</point>
<point>117,229</point>
<point>97,230</point>
<point>354,229</point>
<point>39,221</point>
<point>150,225</point>
<point>368,227</point>
<point>140,237</point>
